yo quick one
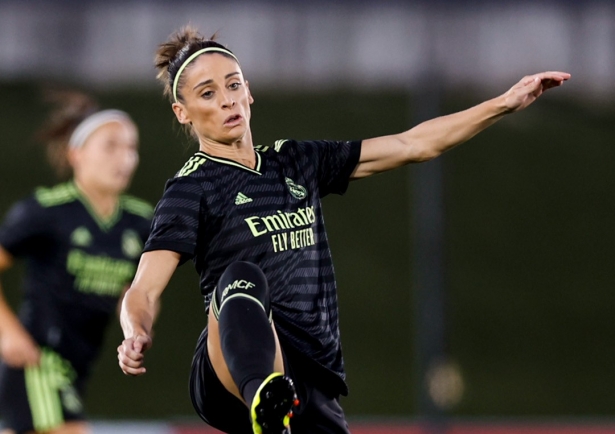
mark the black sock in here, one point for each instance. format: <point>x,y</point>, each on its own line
<point>250,388</point>
<point>246,337</point>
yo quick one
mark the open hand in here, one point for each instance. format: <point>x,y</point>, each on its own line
<point>130,354</point>
<point>531,87</point>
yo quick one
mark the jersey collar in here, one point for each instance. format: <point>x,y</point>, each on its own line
<point>257,170</point>
<point>104,223</point>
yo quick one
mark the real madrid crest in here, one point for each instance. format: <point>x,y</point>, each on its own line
<point>131,244</point>
<point>81,237</point>
<point>296,190</point>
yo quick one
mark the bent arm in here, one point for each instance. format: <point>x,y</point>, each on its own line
<point>436,136</point>
<point>140,307</point>
<point>17,348</point>
<point>8,319</point>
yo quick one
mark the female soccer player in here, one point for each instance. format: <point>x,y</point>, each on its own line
<point>82,240</point>
<point>250,218</point>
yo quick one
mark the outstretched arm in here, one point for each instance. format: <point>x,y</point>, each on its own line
<point>431,138</point>
<point>140,307</point>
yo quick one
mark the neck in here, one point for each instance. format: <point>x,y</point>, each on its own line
<point>103,202</point>
<point>241,151</point>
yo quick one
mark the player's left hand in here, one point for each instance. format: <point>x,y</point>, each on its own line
<point>531,87</point>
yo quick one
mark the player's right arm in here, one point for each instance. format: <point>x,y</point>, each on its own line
<point>140,306</point>
<point>17,347</point>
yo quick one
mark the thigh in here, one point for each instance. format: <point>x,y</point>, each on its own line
<point>212,402</point>
<point>75,427</point>
<point>14,405</point>
<point>219,366</point>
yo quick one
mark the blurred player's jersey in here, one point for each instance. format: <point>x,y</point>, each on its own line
<point>216,211</point>
<point>77,266</point>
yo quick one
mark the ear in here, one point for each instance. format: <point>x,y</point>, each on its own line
<point>250,98</point>
<point>180,113</point>
<point>73,157</point>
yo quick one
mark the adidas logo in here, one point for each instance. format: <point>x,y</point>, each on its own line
<point>241,199</point>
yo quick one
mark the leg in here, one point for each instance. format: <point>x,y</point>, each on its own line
<point>32,401</point>
<point>247,313</point>
<point>14,406</point>
<point>219,364</point>
<point>244,350</point>
<point>68,428</point>
<point>73,427</point>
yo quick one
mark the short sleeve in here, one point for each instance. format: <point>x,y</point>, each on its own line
<point>23,228</point>
<point>175,225</point>
<point>335,162</point>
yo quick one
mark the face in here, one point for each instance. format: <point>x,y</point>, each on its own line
<point>108,158</point>
<point>216,99</point>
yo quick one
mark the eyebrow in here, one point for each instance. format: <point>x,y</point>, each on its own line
<point>203,83</point>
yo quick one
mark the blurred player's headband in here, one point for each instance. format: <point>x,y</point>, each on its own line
<point>191,58</point>
<point>93,122</point>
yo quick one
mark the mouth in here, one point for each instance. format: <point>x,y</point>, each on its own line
<point>123,175</point>
<point>233,120</point>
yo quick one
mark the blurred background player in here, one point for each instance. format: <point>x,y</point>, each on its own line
<point>250,218</point>
<point>82,240</point>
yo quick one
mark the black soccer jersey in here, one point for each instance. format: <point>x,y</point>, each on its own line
<point>77,266</point>
<point>217,211</point>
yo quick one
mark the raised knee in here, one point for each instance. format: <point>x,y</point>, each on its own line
<point>242,280</point>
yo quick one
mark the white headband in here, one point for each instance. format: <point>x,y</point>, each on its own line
<point>93,122</point>
<point>194,56</point>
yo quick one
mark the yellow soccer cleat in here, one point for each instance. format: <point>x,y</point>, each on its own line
<point>272,406</point>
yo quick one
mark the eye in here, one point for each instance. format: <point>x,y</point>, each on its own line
<point>235,85</point>
<point>207,94</point>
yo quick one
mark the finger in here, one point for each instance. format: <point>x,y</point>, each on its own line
<point>527,80</point>
<point>548,84</point>
<point>531,85</point>
<point>138,346</point>
<point>132,371</point>
<point>127,361</point>
<point>559,74</point>
<point>130,354</point>
<point>130,367</point>
<point>143,342</point>
<point>554,76</point>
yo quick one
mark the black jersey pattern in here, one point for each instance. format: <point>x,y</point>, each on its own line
<point>77,266</point>
<point>216,211</point>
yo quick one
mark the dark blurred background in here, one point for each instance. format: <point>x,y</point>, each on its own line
<point>528,204</point>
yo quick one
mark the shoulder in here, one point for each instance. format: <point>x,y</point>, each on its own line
<point>26,216</point>
<point>191,166</point>
<point>60,194</point>
<point>288,148</point>
<point>26,207</point>
<point>277,146</point>
<point>136,206</point>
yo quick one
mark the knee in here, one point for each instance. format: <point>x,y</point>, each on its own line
<point>243,279</point>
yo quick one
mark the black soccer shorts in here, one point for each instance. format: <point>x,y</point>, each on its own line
<point>319,410</point>
<point>40,398</point>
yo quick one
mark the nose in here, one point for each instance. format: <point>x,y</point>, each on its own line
<point>129,159</point>
<point>228,101</point>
